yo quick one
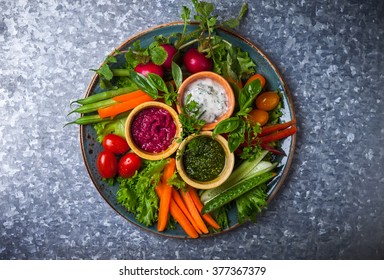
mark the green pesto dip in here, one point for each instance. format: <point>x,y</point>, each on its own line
<point>203,159</point>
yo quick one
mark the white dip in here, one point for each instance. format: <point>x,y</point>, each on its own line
<point>210,96</point>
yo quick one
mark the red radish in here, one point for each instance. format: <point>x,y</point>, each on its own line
<point>171,51</point>
<point>196,61</point>
<point>149,67</point>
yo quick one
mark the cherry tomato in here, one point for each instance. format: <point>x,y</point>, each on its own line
<point>171,51</point>
<point>115,143</point>
<point>196,61</point>
<point>128,165</point>
<point>258,116</point>
<point>149,67</point>
<point>257,76</point>
<point>107,164</point>
<point>267,101</point>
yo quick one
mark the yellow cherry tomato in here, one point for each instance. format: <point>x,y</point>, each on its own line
<point>267,101</point>
<point>258,116</point>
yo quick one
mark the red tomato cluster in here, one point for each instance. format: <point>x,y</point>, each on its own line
<point>116,159</point>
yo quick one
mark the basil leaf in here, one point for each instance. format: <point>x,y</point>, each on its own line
<point>143,84</point>
<point>248,93</point>
<point>237,136</point>
<point>157,82</point>
<point>227,125</point>
<point>177,74</point>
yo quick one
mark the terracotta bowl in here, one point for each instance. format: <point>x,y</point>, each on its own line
<point>225,173</point>
<point>148,155</point>
<point>217,78</point>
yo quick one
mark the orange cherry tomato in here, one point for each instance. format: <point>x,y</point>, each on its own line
<point>267,101</point>
<point>257,76</point>
<point>258,116</point>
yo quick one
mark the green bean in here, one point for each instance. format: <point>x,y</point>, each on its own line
<point>90,119</point>
<point>88,108</point>
<point>106,95</point>
<point>120,72</point>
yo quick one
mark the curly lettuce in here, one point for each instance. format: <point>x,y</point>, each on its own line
<point>137,194</point>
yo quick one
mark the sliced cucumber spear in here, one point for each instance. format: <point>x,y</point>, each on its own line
<point>246,169</point>
<point>237,190</point>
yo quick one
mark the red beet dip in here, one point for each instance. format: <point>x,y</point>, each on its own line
<point>153,129</point>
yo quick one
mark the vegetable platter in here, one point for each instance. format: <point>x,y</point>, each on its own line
<point>145,184</point>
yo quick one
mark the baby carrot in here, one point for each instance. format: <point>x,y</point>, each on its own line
<point>118,108</point>
<point>194,212</point>
<point>179,201</point>
<point>199,205</point>
<point>129,96</point>
<point>165,199</point>
<point>178,215</point>
<point>169,169</point>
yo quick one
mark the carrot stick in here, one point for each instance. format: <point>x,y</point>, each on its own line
<point>194,212</point>
<point>278,135</point>
<point>169,169</point>
<point>165,199</point>
<point>178,215</point>
<point>275,127</point>
<point>199,205</point>
<point>179,201</point>
<point>118,108</point>
<point>129,96</point>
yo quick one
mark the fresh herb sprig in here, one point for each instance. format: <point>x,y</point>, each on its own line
<point>105,73</point>
<point>154,52</point>
<point>237,127</point>
<point>156,87</point>
<point>190,117</point>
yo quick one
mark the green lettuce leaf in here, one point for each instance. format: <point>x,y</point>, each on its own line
<point>250,204</point>
<point>115,126</point>
<point>137,194</point>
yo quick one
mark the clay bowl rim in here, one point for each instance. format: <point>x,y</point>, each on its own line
<point>226,172</point>
<point>144,154</point>
<point>222,81</point>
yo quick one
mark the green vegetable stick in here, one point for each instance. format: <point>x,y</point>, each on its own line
<point>84,120</point>
<point>105,95</point>
<point>121,72</point>
<point>88,108</point>
<point>92,119</point>
<point>237,190</point>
